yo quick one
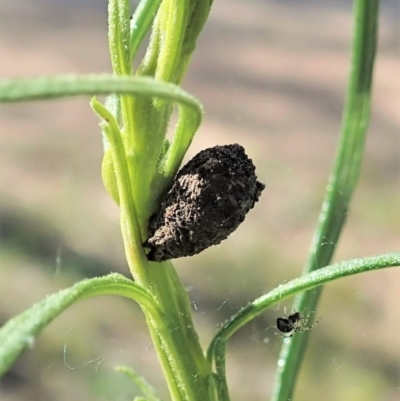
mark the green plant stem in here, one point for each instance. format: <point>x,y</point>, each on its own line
<point>303,283</point>
<point>220,369</point>
<point>175,31</point>
<point>341,185</point>
<point>175,339</point>
<point>171,333</point>
<point>135,161</point>
<point>178,337</point>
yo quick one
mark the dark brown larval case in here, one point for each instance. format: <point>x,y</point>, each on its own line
<point>209,198</point>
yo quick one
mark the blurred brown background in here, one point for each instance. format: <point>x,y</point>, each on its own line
<point>272,76</point>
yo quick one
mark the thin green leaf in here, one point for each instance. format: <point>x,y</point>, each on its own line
<point>23,89</point>
<point>119,45</point>
<point>198,13</point>
<point>131,227</point>
<point>141,21</point>
<point>119,36</point>
<point>300,284</point>
<point>145,387</point>
<point>174,16</point>
<point>20,331</point>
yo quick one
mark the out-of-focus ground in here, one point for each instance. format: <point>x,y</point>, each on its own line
<point>272,76</point>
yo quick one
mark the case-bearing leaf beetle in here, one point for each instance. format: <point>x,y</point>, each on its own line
<point>210,196</point>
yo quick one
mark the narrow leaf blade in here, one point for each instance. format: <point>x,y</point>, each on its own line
<point>19,332</point>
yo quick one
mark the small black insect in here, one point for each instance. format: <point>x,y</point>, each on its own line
<point>210,196</point>
<point>294,323</point>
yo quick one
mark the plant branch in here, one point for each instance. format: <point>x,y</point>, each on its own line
<point>342,182</point>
